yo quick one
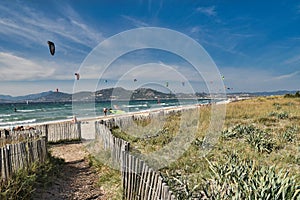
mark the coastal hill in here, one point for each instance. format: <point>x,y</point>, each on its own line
<point>121,94</point>
<point>100,95</point>
<point>118,94</point>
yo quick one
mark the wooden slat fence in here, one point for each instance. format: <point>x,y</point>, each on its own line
<point>18,136</point>
<point>54,132</point>
<point>140,182</point>
<point>19,149</point>
<point>14,157</point>
<point>127,121</point>
<point>58,132</point>
<point>115,145</point>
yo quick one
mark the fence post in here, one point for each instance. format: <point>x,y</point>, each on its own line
<point>79,130</point>
<point>3,163</point>
<point>8,160</point>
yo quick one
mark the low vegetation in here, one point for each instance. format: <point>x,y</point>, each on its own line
<point>110,179</point>
<point>244,179</point>
<point>296,95</point>
<point>23,183</point>
<point>257,155</point>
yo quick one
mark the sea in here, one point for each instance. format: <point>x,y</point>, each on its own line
<point>27,113</point>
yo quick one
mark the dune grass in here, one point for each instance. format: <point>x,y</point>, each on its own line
<point>110,179</point>
<point>262,134</point>
<point>23,183</point>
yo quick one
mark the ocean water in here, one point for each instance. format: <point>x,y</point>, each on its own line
<point>31,113</point>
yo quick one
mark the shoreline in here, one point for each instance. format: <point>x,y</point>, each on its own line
<point>88,119</point>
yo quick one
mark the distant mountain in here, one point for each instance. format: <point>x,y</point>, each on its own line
<point>147,93</point>
<point>8,98</point>
<point>54,97</point>
<point>5,97</point>
<point>112,93</point>
<point>100,95</point>
<point>33,96</point>
<point>119,94</point>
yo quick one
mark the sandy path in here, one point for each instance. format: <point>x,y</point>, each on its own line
<point>78,180</point>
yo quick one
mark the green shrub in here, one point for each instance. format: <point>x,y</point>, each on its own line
<point>184,188</point>
<point>296,95</point>
<point>289,135</point>
<point>242,179</point>
<point>244,130</point>
<point>277,106</point>
<point>260,141</point>
<point>238,131</point>
<point>272,114</point>
<point>228,134</point>
<point>283,115</point>
<point>289,104</point>
<point>19,186</point>
<point>183,185</point>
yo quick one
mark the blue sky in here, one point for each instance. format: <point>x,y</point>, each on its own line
<point>254,44</point>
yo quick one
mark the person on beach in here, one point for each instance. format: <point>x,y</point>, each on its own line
<point>74,120</point>
<point>6,133</point>
<point>29,128</point>
<point>105,111</point>
<point>18,128</point>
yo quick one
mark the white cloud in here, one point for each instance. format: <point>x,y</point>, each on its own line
<point>35,27</point>
<point>292,60</point>
<point>28,29</point>
<point>286,76</point>
<point>195,29</point>
<point>136,22</point>
<point>229,41</point>
<point>253,79</point>
<point>209,11</point>
<point>17,68</point>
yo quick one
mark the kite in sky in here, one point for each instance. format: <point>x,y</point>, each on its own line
<point>51,47</point>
